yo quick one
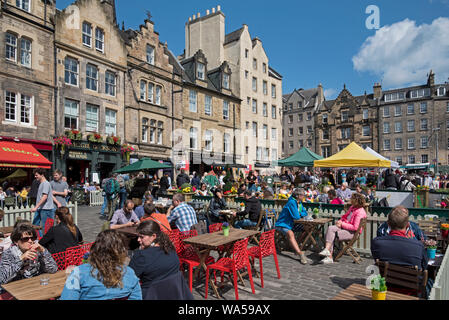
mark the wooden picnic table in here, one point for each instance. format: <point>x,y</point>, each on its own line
<point>31,289</point>
<point>205,243</point>
<point>360,292</point>
<point>228,214</point>
<point>313,228</point>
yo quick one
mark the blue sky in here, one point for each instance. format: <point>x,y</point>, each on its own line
<point>321,41</point>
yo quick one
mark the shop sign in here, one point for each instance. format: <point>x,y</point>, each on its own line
<point>78,155</point>
<point>94,146</point>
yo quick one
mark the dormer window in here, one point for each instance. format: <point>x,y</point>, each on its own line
<point>325,117</point>
<point>420,93</point>
<point>226,80</point>
<point>396,96</point>
<point>441,92</point>
<point>200,71</point>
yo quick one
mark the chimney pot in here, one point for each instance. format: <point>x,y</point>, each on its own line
<point>198,15</point>
<point>213,10</point>
<point>218,8</point>
<point>207,12</point>
<point>193,17</point>
<point>190,19</point>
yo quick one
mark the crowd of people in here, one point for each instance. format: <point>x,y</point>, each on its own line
<point>112,273</point>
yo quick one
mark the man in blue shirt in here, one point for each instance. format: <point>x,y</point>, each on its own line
<point>293,210</point>
<point>183,214</point>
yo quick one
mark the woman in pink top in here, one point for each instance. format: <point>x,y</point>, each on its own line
<point>346,227</point>
<point>332,195</point>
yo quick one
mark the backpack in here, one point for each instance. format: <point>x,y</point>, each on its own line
<point>121,181</point>
<point>110,187</point>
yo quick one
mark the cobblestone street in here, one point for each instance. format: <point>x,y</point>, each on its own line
<point>298,282</point>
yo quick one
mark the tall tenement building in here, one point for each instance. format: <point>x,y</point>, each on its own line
<point>252,79</point>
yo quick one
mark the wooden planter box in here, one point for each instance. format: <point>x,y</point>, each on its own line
<point>230,199</point>
<point>188,196</point>
<point>421,198</point>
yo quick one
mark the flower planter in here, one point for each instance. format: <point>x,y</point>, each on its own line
<point>189,196</point>
<point>431,253</point>
<point>226,232</point>
<point>376,295</point>
<point>230,198</point>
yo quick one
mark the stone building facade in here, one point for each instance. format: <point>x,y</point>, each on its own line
<point>153,94</point>
<point>298,120</point>
<point>410,121</point>
<point>27,85</point>
<point>344,120</point>
<point>254,81</point>
<point>210,115</point>
<point>91,61</point>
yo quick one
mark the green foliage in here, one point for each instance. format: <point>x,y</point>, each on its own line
<point>379,284</point>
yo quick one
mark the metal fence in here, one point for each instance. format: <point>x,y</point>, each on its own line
<point>24,212</point>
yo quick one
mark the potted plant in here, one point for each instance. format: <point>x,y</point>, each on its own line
<point>431,246</point>
<point>225,227</point>
<point>445,230</point>
<point>95,137</point>
<point>188,191</point>
<point>378,288</point>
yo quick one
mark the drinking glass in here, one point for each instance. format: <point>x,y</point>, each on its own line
<point>45,279</point>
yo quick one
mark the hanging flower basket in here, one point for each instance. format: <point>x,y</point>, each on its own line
<point>126,151</point>
<point>113,140</point>
<point>95,138</point>
<point>61,143</point>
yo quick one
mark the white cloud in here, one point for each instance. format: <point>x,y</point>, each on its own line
<point>404,53</point>
<point>330,93</point>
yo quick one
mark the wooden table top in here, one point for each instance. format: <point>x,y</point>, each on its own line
<point>319,221</point>
<point>129,231</point>
<point>10,229</point>
<point>31,289</point>
<point>360,292</point>
<point>217,239</point>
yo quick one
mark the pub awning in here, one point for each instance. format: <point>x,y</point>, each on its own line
<point>21,155</point>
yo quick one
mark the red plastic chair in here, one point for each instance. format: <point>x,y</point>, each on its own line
<point>266,248</point>
<point>60,259</point>
<point>215,227</point>
<point>239,261</point>
<point>75,254</point>
<point>188,255</point>
<point>49,223</point>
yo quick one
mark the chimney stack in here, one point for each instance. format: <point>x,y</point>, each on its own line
<point>218,8</point>
<point>377,91</point>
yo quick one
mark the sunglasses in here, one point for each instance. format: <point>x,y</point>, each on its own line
<point>26,239</point>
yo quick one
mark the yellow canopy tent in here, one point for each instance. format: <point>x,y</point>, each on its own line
<point>353,156</point>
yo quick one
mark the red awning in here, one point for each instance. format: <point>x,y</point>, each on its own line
<point>21,155</point>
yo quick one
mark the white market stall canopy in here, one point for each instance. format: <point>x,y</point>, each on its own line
<point>394,164</point>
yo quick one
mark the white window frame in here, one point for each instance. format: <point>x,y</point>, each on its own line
<point>11,46</point>
<point>265,109</point>
<point>111,122</point>
<point>158,99</point>
<point>395,96</point>
<point>24,5</point>
<point>415,94</point>
<point>150,54</point>
<point>426,122</point>
<point>208,105</point>
<point>424,160</point>
<point>410,161</point>
<point>71,115</point>
<point>226,143</point>
<point>396,113</point>
<point>86,35</point>
<point>439,94</point>
<point>150,92</point>
<point>421,108</point>
<point>225,110</point>
<point>200,71</point>
<point>254,106</point>
<point>193,142</point>
<point>70,62</point>
<point>398,127</point>
<point>411,144</point>
<point>408,109</point>
<point>254,84</point>
<point>398,146</point>
<point>153,129</point>
<point>99,39</point>
<point>386,112</point>
<point>25,52</point>
<point>193,101</point>
<point>110,83</point>
<point>387,146</point>
<point>90,120</point>
<point>145,126</point>
<point>93,80</point>
<point>143,90</point>
<point>365,114</point>
<point>160,133</point>
<point>273,91</point>
<point>265,132</point>
<point>265,87</point>
<point>369,131</point>
<point>409,127</point>
<point>255,129</point>
<point>208,140</point>
<point>426,144</point>
<point>385,127</point>
<point>11,102</point>
<point>30,108</point>
<point>273,112</point>
<point>344,116</point>
<point>274,134</point>
<point>226,80</point>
